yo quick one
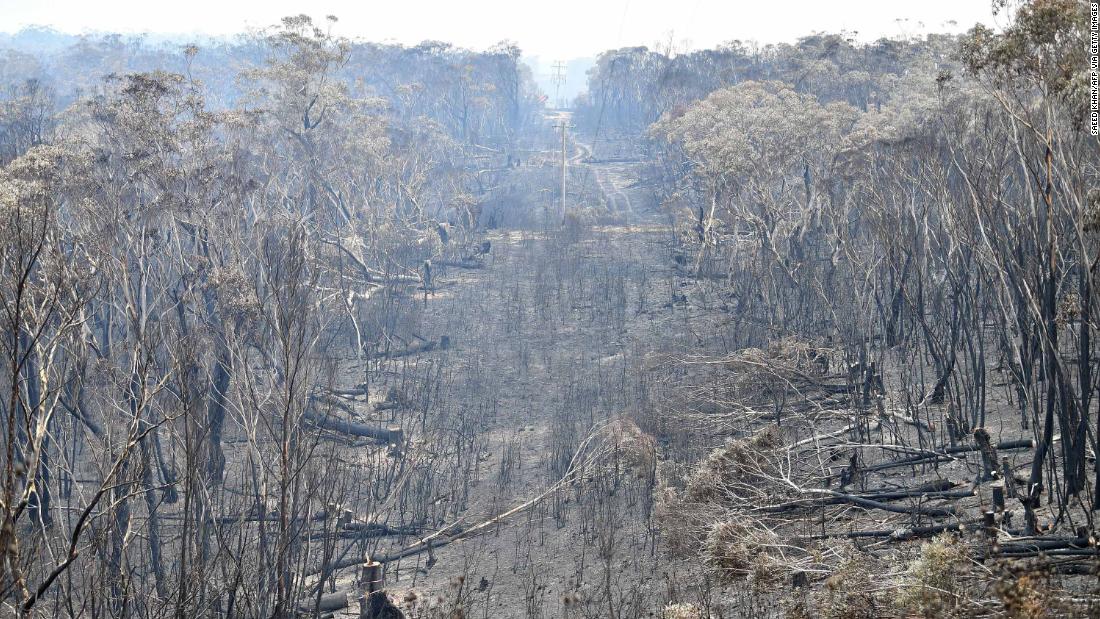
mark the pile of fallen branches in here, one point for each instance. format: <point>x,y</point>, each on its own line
<point>766,507</point>
<point>790,369</point>
<point>710,510</point>
<point>829,468</point>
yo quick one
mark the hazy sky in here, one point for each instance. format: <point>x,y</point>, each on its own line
<point>552,29</point>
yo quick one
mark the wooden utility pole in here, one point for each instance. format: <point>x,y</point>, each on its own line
<point>563,126</point>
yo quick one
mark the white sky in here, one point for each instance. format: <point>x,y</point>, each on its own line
<point>559,29</point>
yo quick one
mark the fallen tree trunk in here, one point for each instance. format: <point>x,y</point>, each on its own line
<point>253,516</point>
<point>365,530</point>
<point>442,537</point>
<point>1026,443</point>
<point>371,275</point>
<point>443,344</point>
<point>830,435</point>
<point>334,424</point>
<point>332,400</point>
<point>933,490</point>
<point>897,534</point>
<point>1054,552</point>
<point>914,461</point>
<point>944,455</point>
<point>328,603</point>
<point>936,485</point>
<point>935,512</point>
<point>358,390</point>
<point>1037,545</point>
<point>463,264</point>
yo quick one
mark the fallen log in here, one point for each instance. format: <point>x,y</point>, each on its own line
<point>1036,545</point>
<point>375,526</point>
<point>936,485</point>
<point>332,400</point>
<point>813,503</point>
<point>359,390</point>
<point>252,517</point>
<point>371,275</point>
<point>1075,569</point>
<point>929,531</point>
<point>373,604</point>
<point>328,603</point>
<point>443,344</point>
<point>935,512</point>
<point>913,461</point>
<point>328,422</point>
<point>464,264</point>
<point>1026,443</point>
<point>944,454</point>
<point>386,279</point>
<point>365,530</point>
<point>1054,552</point>
<point>939,489</point>
<point>830,435</point>
<point>897,534</point>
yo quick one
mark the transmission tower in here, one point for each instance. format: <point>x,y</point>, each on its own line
<point>558,79</point>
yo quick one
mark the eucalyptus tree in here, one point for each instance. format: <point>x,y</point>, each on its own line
<point>1036,71</point>
<point>26,117</point>
<point>765,161</point>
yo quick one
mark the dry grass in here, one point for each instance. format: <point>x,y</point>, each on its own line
<point>735,550</point>
<point>681,611</point>
<point>1028,590</point>
<point>849,592</point>
<point>937,582</point>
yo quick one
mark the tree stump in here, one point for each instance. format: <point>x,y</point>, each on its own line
<point>989,454</point>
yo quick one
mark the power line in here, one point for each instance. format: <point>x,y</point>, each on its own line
<point>558,80</point>
<point>603,101</point>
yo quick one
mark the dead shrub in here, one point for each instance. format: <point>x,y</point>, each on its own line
<point>935,583</point>
<point>1026,590</point>
<point>849,592</point>
<point>735,550</point>
<point>711,513</point>
<point>804,355</point>
<point>787,367</point>
<point>739,471</point>
<point>635,451</point>
<point>681,611</point>
<point>683,523</point>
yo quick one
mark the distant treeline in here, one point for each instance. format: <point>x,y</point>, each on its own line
<point>478,97</point>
